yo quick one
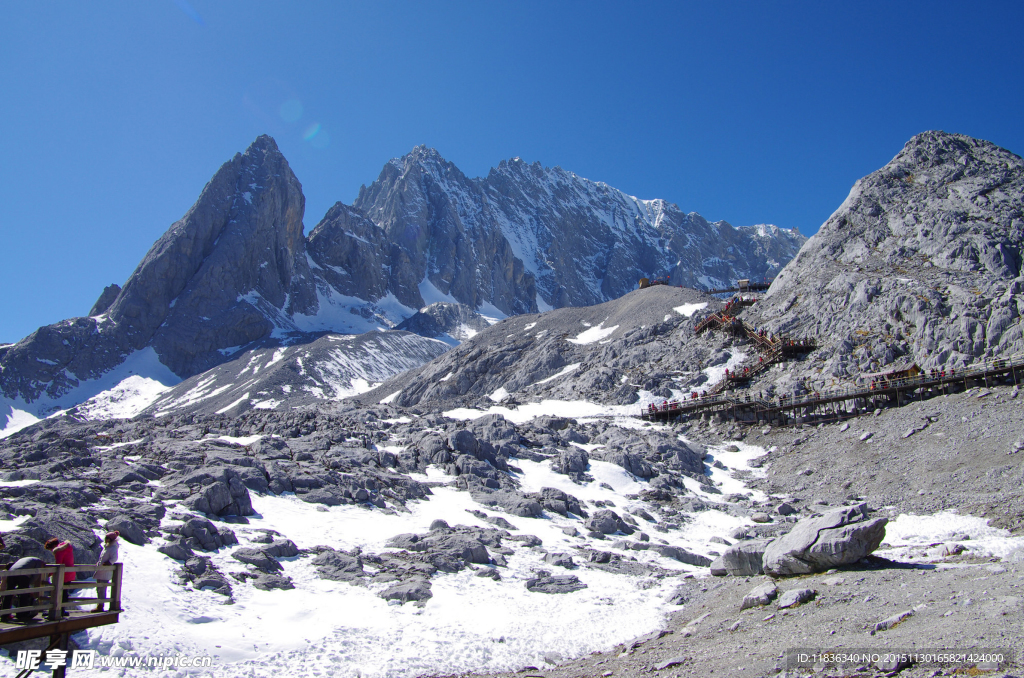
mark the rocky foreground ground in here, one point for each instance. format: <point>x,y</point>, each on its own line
<point>958,452</point>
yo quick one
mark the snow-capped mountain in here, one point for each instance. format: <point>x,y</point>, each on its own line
<point>527,238</point>
<point>236,274</point>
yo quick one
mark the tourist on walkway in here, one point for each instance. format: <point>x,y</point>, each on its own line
<point>108,556</point>
<point>63,554</point>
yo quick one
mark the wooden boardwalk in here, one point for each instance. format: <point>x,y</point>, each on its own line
<point>38,611</point>
<point>844,402</point>
<point>773,348</point>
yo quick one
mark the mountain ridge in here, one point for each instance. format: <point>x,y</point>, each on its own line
<point>237,272</point>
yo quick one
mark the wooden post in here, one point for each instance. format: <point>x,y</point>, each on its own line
<point>115,594</point>
<point>58,594</point>
<point>60,642</point>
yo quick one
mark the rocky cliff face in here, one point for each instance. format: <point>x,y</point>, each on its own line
<point>218,278</point>
<point>922,261</point>
<point>526,237</point>
<point>236,272</point>
<point>221,276</point>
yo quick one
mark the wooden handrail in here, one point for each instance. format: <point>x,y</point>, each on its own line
<point>53,592</point>
<point>50,569</point>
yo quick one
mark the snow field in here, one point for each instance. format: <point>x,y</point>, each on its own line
<point>912,537</point>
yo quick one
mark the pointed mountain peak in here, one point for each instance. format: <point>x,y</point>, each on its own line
<point>426,159</point>
<point>264,143</point>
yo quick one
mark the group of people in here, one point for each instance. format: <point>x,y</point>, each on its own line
<point>665,406</point>
<point>63,554</point>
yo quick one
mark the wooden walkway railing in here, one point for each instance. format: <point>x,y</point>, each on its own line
<point>23,605</point>
<point>763,409</point>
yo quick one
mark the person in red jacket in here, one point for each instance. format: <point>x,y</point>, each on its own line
<point>63,554</point>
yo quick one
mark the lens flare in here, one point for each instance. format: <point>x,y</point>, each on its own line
<point>321,140</point>
<point>311,131</point>
<point>291,110</point>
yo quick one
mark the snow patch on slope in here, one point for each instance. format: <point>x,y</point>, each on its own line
<point>123,391</point>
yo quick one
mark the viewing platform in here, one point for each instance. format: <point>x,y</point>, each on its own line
<point>35,608</point>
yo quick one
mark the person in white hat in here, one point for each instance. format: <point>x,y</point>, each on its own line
<point>108,556</point>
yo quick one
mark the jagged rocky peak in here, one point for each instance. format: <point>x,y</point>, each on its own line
<point>222,275</point>
<point>528,237</point>
<point>921,261</point>
<point>352,253</point>
<point>435,220</point>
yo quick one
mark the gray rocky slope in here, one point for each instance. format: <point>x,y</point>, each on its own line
<point>922,262</point>
<point>606,354</point>
<point>330,368</point>
<point>183,485</point>
<point>236,270</point>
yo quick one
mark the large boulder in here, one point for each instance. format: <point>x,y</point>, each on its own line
<point>743,559</point>
<point>415,590</point>
<point>338,566</point>
<point>572,462</point>
<point>460,546</point>
<point>128,529</point>
<point>217,491</point>
<point>817,544</point>
<point>200,533</point>
<point>261,560</point>
<point>545,583</point>
<point>511,502</point>
<point>607,521</point>
<point>558,501</point>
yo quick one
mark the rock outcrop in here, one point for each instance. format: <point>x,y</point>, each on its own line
<point>922,262</point>
<point>816,544</point>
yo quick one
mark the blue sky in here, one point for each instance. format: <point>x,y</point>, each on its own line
<point>114,115</point>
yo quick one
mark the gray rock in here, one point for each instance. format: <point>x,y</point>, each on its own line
<point>680,554</point>
<point>670,662</point>
<point>794,597</point>
<point>785,509</point>
<point>417,590</point>
<point>282,548</point>
<point>760,595</point>
<point>558,501</point>
<point>129,530</point>
<point>508,501</point>
<point>572,462</point>
<point>200,533</point>
<point>258,559</point>
<point>744,559</point>
<point>464,547</point>
<point>338,566</point>
<point>816,544</point>
<point>527,540</point>
<point>559,560</point>
<point>890,622</point>
<point>176,550</point>
<point>607,521</point>
<point>566,583</point>
<point>269,582</point>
